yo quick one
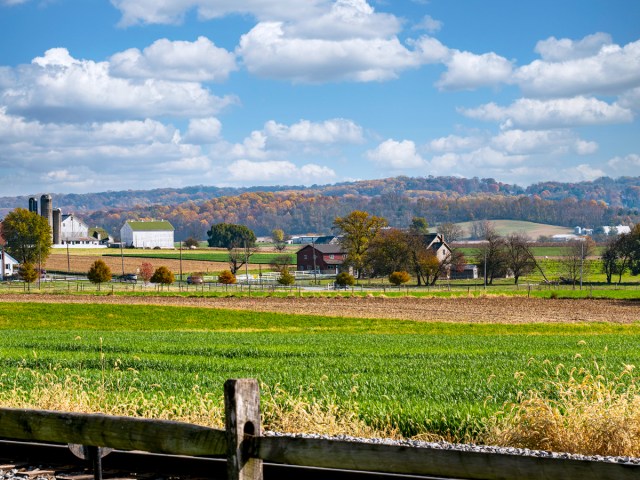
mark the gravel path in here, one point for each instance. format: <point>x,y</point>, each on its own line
<point>458,309</point>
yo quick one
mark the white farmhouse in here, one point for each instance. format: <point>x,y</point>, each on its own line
<point>74,231</point>
<point>147,234</point>
<point>9,265</point>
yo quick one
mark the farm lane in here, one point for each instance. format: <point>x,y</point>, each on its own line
<point>486,309</point>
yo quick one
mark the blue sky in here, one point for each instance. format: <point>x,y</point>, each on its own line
<point>102,95</point>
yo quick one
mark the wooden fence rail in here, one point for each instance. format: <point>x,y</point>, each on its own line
<point>246,448</point>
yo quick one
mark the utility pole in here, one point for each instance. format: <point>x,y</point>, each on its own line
<point>485,268</point>
<point>246,261</point>
<point>315,270</point>
<point>180,282</point>
<point>581,261</point>
<point>68,260</point>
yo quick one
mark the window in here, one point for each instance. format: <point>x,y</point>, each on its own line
<point>332,256</point>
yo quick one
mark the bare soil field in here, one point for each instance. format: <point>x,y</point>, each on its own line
<point>81,263</point>
<point>461,309</point>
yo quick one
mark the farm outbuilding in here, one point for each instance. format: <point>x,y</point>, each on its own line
<point>147,234</point>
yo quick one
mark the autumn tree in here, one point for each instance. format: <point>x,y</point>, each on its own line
<point>27,236</point>
<point>518,255</point>
<point>163,276</point>
<point>279,239</point>
<point>146,271</point>
<point>419,226</point>
<point>389,251</point>
<point>99,272</point>
<point>356,231</point>
<point>28,273</point>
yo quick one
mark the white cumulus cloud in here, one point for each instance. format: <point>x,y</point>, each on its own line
<point>554,113</point>
<point>278,172</point>
<point>268,51</point>
<point>627,165</point>
<point>579,70</point>
<point>197,61</point>
<point>59,87</point>
<point>466,70</point>
<point>560,50</point>
<point>394,155</point>
<point>203,131</point>
<point>338,130</point>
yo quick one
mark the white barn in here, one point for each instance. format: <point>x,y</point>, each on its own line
<point>9,265</point>
<point>74,231</point>
<point>147,234</point>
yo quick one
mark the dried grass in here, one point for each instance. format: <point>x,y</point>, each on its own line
<point>281,410</point>
<point>592,412</point>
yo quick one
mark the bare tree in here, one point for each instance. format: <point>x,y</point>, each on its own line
<point>451,232</point>
<point>481,229</point>
<point>491,256</point>
<point>575,261</point>
<point>518,255</point>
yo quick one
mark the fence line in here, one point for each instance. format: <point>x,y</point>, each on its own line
<point>246,448</point>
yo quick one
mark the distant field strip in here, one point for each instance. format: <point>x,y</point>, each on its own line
<point>256,258</point>
<point>416,377</point>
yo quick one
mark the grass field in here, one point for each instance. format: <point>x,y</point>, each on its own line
<point>414,377</point>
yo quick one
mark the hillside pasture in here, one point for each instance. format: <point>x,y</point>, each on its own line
<point>531,229</point>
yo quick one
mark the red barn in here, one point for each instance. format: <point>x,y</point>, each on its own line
<point>328,258</point>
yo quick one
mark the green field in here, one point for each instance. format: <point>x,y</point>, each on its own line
<point>417,377</point>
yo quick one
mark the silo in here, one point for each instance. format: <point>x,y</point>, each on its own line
<point>33,204</point>
<point>46,210</point>
<point>57,225</point>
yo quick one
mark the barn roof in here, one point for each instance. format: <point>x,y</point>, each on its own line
<point>152,226</point>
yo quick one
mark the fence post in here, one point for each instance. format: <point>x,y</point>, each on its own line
<point>242,417</point>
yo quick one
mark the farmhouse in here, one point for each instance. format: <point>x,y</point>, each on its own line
<point>329,258</point>
<point>9,265</point>
<point>435,241</point>
<point>147,234</point>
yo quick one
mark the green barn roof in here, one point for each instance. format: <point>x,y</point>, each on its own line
<point>153,226</point>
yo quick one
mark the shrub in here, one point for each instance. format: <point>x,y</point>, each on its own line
<point>286,278</point>
<point>345,279</point>
<point>28,273</point>
<point>226,277</point>
<point>191,242</point>
<point>398,278</point>
<point>163,276</point>
<point>146,272</point>
<point>99,273</point>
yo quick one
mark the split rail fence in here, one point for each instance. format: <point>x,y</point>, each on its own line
<point>245,448</point>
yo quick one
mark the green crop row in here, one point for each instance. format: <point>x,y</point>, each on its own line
<point>416,377</point>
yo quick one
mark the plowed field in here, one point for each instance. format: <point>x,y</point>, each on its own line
<point>81,263</point>
<point>461,309</point>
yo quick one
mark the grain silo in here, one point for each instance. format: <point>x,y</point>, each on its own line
<point>46,210</point>
<point>57,225</point>
<point>33,204</point>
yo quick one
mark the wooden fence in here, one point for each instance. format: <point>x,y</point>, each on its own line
<point>246,448</point>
